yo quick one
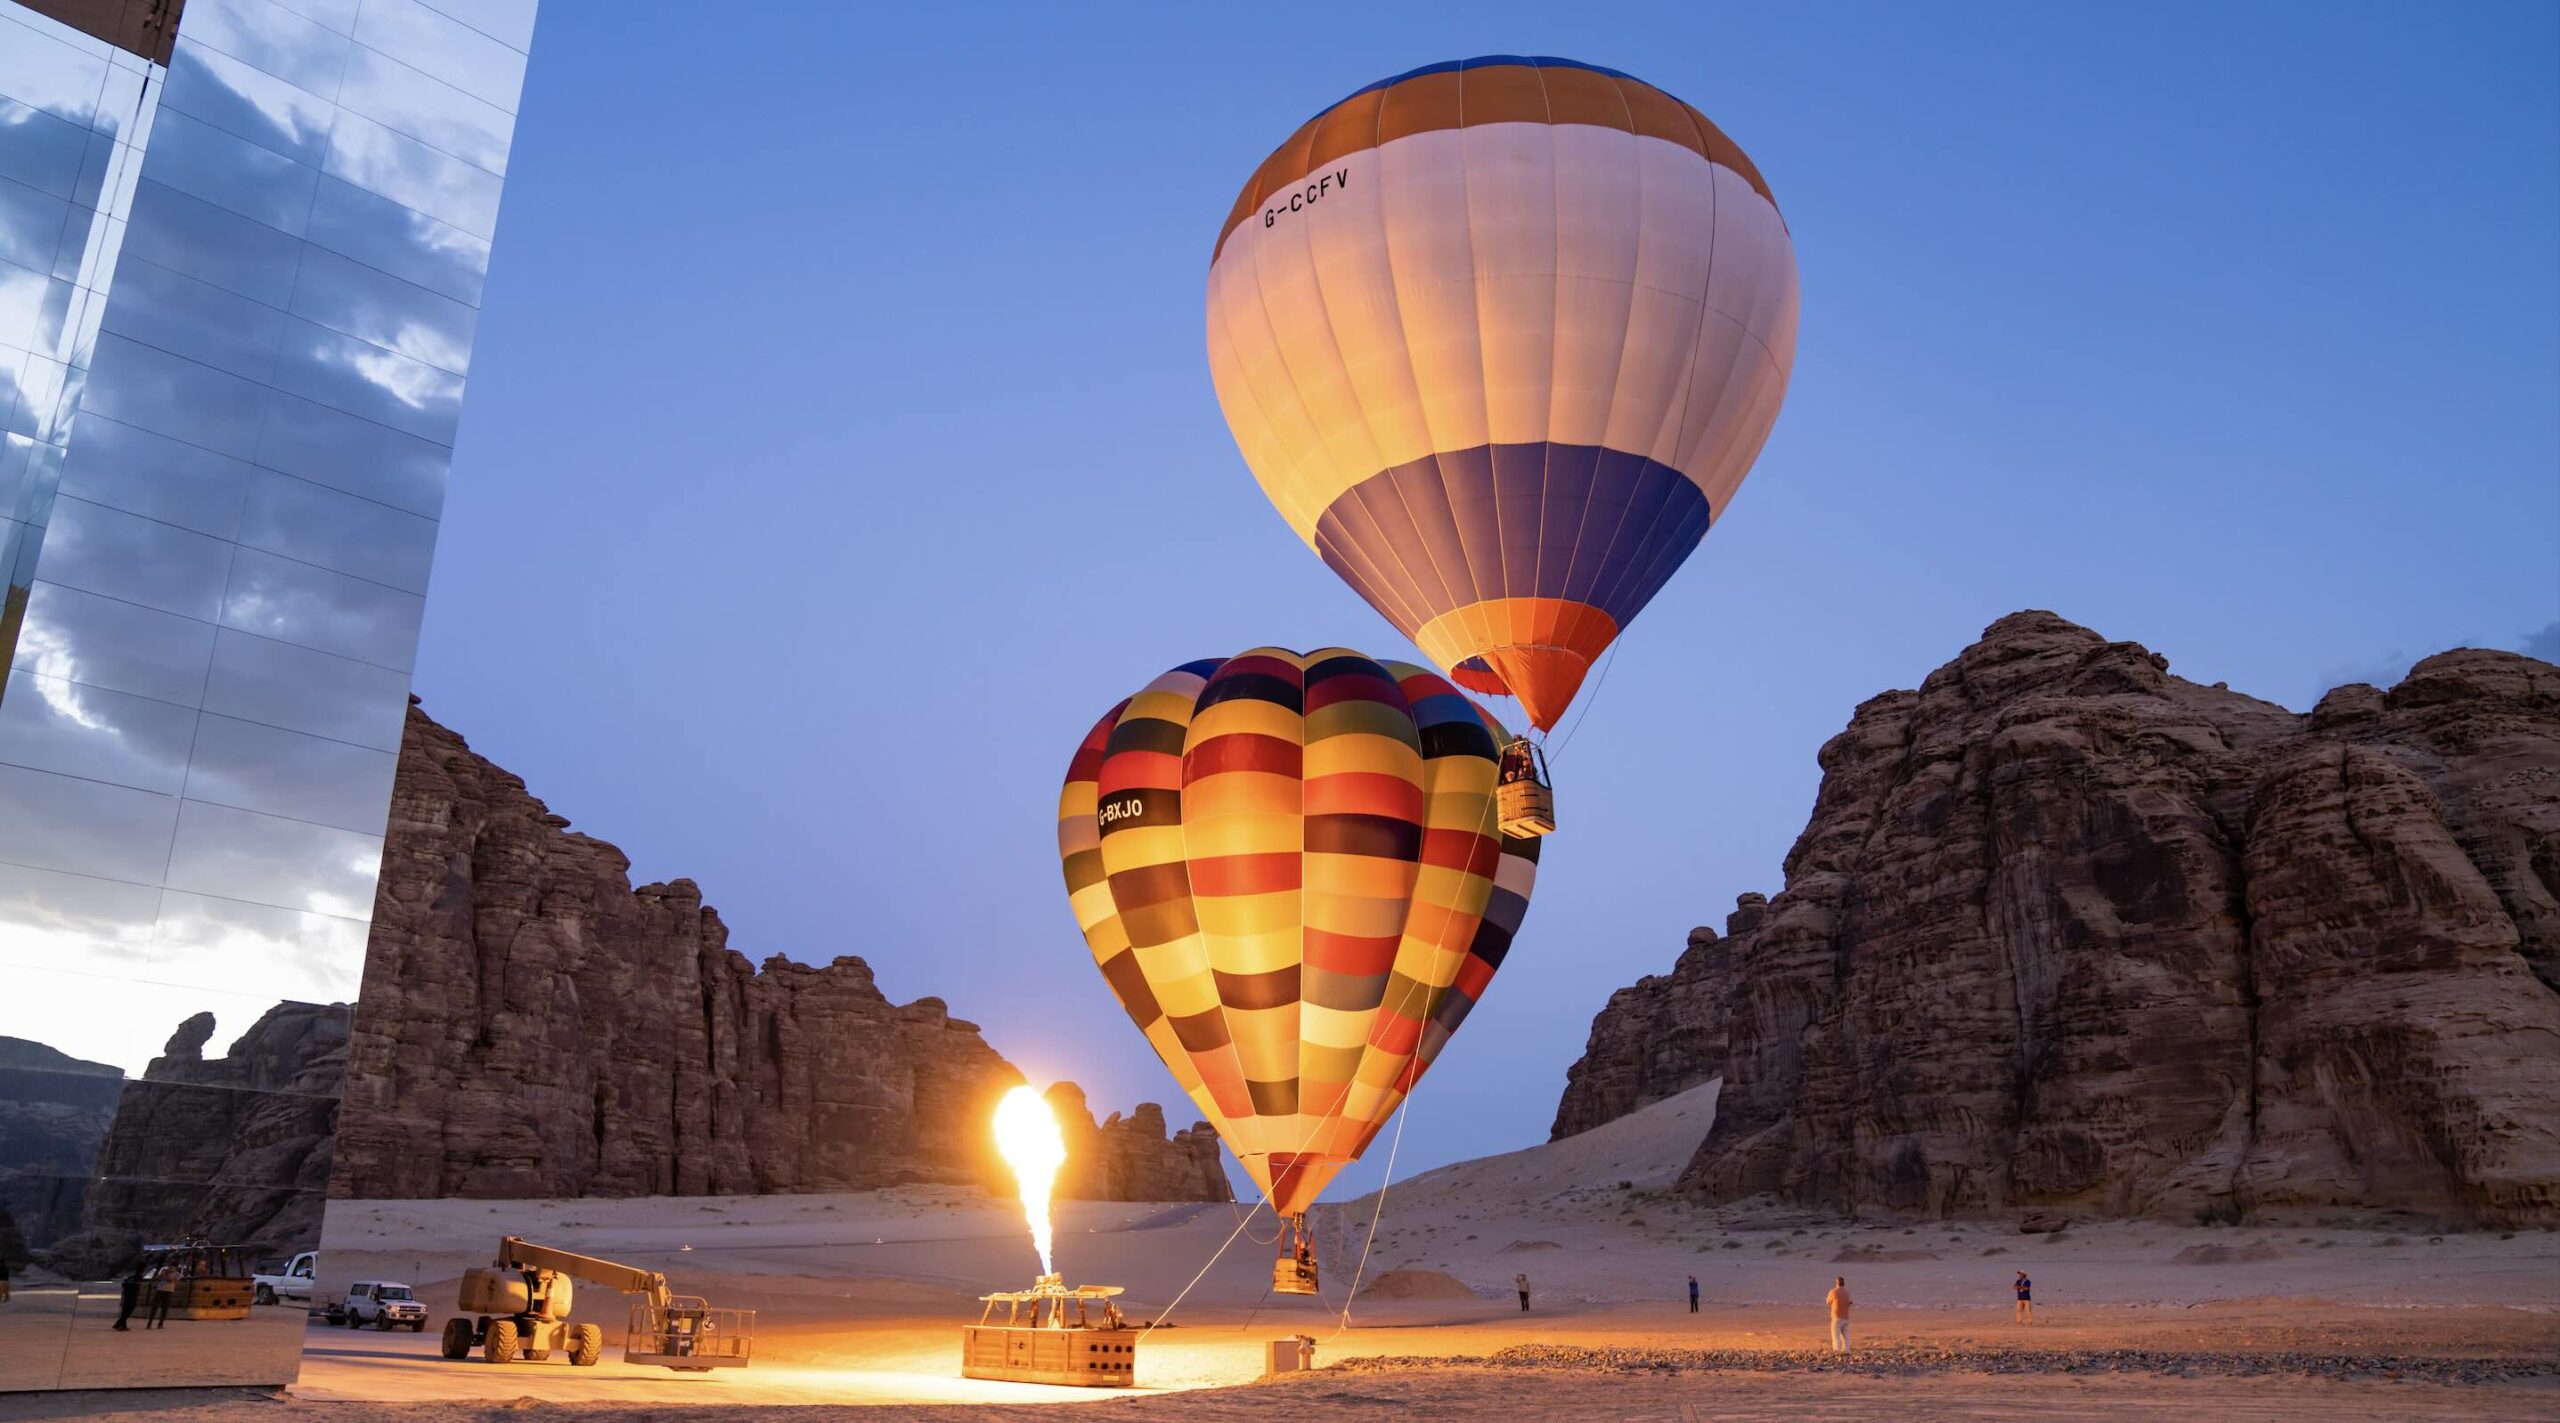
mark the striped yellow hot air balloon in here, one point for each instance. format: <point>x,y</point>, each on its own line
<point>1289,870</point>
<point>1500,338</point>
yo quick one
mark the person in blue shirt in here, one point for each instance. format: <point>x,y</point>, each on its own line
<point>2026,1299</point>
<point>1693,1294</point>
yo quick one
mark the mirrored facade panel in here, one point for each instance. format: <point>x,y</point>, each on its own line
<point>202,161</point>
<point>100,550</point>
<point>186,234</point>
<point>403,242</point>
<point>359,456</point>
<point>49,919</point>
<point>238,296</point>
<point>381,160</point>
<point>84,827</point>
<point>509,22</point>
<point>397,315</point>
<point>268,859</point>
<point>443,47</point>
<point>48,724</point>
<point>270,37</point>
<point>99,641</point>
<point>39,149</point>
<point>248,765</point>
<point>34,308</point>
<point>365,380</point>
<point>182,316</point>
<point>51,68</point>
<point>260,679</point>
<point>431,111</point>
<point>212,942</point>
<point>43,1309</point>
<point>171,395</point>
<point>339,15</point>
<point>315,608</point>
<point>317,525</point>
<point>247,102</point>
<point>31,223</point>
<point>158,478</point>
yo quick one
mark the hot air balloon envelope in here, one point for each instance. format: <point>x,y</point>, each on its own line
<point>1500,338</point>
<point>1289,868</point>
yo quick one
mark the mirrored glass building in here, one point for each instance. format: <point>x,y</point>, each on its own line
<point>242,245</point>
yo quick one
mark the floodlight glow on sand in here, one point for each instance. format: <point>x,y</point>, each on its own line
<point>1027,1135</point>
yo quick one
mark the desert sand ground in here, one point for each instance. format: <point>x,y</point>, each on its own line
<point>860,1297</point>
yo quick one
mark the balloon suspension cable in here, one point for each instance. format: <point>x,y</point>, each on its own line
<point>1609,662</point>
<point>1162,1314</point>
<point>1488,824</point>
<point>1279,1227</point>
<point>1403,1110</point>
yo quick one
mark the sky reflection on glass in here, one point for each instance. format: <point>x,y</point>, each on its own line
<point>237,306</point>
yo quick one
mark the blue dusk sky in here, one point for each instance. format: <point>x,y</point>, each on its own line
<point>841,443</point>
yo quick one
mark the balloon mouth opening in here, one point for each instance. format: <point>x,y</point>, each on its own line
<point>1542,678</point>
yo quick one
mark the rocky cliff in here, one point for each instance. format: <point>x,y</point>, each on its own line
<point>235,1148</point>
<point>2066,930</point>
<point>531,1025</point>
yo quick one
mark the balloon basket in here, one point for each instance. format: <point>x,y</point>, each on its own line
<point>1052,1333</point>
<point>1293,1277</point>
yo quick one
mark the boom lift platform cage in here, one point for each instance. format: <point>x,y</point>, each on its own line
<point>687,1335</point>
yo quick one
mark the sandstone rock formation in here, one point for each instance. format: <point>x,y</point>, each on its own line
<point>1131,1159</point>
<point>235,1148</point>
<point>2068,931</point>
<point>531,1025</point>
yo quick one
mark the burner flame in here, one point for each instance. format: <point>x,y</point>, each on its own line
<point>1027,1135</point>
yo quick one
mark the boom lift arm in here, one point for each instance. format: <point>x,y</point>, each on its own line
<point>518,1253</point>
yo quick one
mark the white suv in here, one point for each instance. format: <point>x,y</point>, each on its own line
<point>384,1304</point>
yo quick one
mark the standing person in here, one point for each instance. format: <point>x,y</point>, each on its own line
<point>164,1292</point>
<point>2026,1299</point>
<point>132,1296</point>
<point>1693,1294</point>
<point>1521,1283</point>
<point>1839,1302</point>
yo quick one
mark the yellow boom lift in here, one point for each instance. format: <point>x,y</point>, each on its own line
<point>522,1306</point>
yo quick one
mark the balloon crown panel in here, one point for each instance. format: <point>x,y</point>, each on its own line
<point>1290,870</point>
<point>1500,338</point>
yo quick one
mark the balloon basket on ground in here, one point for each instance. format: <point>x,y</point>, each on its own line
<point>1052,1333</point>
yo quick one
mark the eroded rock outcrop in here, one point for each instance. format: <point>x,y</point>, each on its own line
<point>2066,930</point>
<point>531,1025</point>
<point>1132,1158</point>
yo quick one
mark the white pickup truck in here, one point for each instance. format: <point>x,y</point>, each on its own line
<point>292,1283</point>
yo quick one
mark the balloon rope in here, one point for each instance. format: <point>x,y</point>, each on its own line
<point>1491,821</point>
<point>1195,1280</point>
<point>1488,822</point>
<point>1403,1109</point>
<point>1279,1227</point>
<point>1587,701</point>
